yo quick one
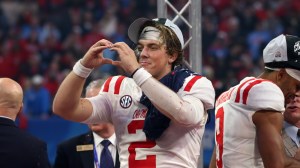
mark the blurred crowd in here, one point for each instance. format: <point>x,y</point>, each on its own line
<point>40,40</point>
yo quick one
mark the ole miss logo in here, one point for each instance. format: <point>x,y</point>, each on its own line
<point>297,47</point>
<point>125,101</point>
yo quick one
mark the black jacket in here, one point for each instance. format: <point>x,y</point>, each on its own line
<point>68,157</point>
<point>20,149</point>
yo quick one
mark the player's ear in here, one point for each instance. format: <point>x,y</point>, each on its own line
<point>172,58</point>
<point>281,74</point>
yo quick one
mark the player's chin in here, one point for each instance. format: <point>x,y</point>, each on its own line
<point>147,68</point>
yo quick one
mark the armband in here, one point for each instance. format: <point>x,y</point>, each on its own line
<point>80,70</point>
<point>140,76</point>
<point>134,71</point>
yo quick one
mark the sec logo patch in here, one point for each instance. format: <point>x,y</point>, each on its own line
<point>125,101</point>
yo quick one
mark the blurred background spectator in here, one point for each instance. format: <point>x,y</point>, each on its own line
<point>46,38</point>
<point>37,102</point>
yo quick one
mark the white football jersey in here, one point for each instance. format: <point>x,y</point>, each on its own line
<point>179,146</point>
<point>235,133</point>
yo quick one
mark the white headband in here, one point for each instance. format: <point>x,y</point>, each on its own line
<point>150,33</point>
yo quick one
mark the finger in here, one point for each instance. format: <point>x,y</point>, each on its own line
<point>120,45</point>
<point>115,49</point>
<point>117,44</point>
<point>102,42</point>
<point>123,45</point>
<point>98,49</point>
<point>118,64</point>
<point>92,54</point>
<point>107,61</point>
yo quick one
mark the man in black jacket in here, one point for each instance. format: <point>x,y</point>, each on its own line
<point>17,148</point>
<point>84,151</point>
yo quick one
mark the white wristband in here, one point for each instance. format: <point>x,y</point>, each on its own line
<point>140,76</point>
<point>80,70</point>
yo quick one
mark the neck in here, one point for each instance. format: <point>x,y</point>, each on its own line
<point>271,76</point>
<point>8,113</point>
<point>7,117</point>
<point>105,135</point>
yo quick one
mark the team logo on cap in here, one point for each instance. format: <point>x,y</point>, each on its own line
<point>297,47</point>
<point>277,54</point>
<point>125,101</point>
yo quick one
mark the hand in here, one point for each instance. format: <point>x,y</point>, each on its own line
<point>297,155</point>
<point>127,56</point>
<point>94,56</point>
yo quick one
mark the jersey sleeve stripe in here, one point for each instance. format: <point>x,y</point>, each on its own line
<point>118,84</point>
<point>219,134</point>
<point>237,98</point>
<point>247,89</point>
<point>106,85</point>
<point>190,84</point>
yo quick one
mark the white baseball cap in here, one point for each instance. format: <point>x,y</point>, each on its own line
<point>37,79</point>
<point>283,52</point>
<point>136,26</point>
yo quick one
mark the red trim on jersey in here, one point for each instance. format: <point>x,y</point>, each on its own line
<point>106,85</point>
<point>190,84</point>
<point>118,84</point>
<point>219,137</point>
<point>247,89</point>
<point>237,99</point>
<point>230,92</point>
<point>224,97</point>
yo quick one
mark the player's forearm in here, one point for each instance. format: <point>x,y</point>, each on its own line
<point>67,98</point>
<point>268,126</point>
<point>267,148</point>
<point>187,111</point>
